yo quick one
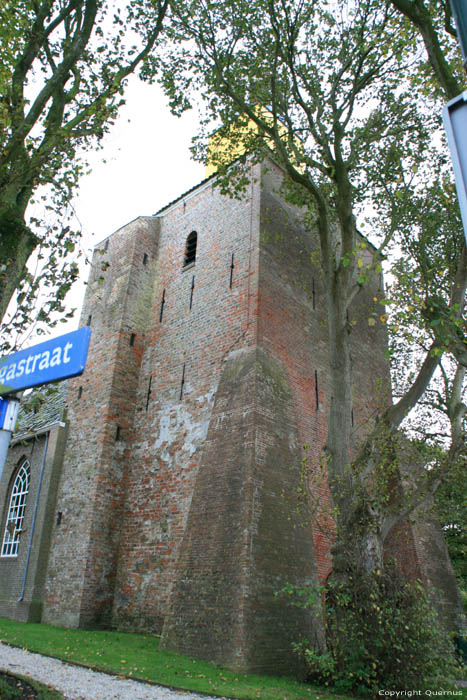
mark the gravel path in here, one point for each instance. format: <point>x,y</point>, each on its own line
<point>78,683</point>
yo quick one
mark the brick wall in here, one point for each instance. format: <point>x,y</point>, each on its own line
<point>188,343</point>
<point>84,552</point>
<point>186,517</point>
<point>240,546</point>
<point>292,328</point>
<point>244,539</point>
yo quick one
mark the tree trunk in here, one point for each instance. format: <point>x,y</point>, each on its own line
<point>337,448</point>
<point>17,242</point>
<point>361,487</point>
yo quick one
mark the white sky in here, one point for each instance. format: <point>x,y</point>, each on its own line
<point>148,164</point>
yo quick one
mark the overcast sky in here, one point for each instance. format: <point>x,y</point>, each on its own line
<point>148,164</point>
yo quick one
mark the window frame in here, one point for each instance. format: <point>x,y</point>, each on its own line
<point>191,246</point>
<point>16,511</point>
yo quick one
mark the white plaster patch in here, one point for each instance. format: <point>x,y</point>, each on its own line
<point>175,423</point>
<point>207,398</point>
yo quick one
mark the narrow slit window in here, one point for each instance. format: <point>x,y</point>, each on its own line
<point>15,517</point>
<point>231,271</point>
<point>145,259</point>
<point>162,306</point>
<point>190,249</point>
<point>132,339</point>
<point>182,383</point>
<point>191,291</point>
<point>148,395</point>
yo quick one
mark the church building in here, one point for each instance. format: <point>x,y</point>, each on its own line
<point>166,498</point>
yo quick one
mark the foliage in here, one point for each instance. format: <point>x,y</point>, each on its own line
<point>433,20</point>
<point>420,315</point>
<point>343,97</point>
<point>63,69</point>
<point>137,656</point>
<point>382,632</point>
<point>328,89</point>
<point>39,304</point>
<point>451,508</point>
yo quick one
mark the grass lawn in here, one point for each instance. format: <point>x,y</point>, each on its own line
<point>137,656</point>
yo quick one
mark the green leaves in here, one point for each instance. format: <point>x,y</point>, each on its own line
<point>63,67</point>
<point>382,632</point>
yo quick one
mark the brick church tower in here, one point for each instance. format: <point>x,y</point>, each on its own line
<point>178,510</point>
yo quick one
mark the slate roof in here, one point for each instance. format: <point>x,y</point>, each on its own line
<point>50,410</point>
<point>192,189</point>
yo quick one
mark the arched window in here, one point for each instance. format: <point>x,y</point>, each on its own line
<point>15,517</point>
<point>190,249</point>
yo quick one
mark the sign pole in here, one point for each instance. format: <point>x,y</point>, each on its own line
<point>8,414</point>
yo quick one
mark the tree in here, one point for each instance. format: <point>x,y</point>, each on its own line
<point>440,421</point>
<point>343,96</point>
<point>434,23</point>
<point>451,500</point>
<point>63,69</point>
<point>339,93</point>
<point>331,88</point>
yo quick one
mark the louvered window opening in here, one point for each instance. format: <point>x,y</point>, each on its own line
<point>15,517</point>
<point>190,250</point>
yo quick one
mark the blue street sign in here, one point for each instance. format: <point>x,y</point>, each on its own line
<point>55,359</point>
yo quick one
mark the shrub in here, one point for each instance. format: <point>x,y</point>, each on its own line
<point>381,633</point>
